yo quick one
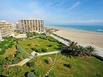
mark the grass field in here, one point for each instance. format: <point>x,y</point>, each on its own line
<point>10,51</point>
<point>87,66</point>
<point>6,43</point>
<point>79,67</point>
<point>29,44</point>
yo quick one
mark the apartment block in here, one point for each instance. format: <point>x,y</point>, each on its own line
<point>30,26</point>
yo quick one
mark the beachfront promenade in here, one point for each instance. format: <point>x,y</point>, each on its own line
<point>98,50</point>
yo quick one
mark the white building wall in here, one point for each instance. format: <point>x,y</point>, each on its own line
<point>0,36</point>
<point>31,25</point>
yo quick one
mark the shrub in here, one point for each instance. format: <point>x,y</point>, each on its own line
<point>46,61</point>
<point>43,49</point>
<point>29,34</point>
<point>31,74</point>
<point>49,45</point>
<point>67,65</point>
<point>39,49</point>
<point>29,64</point>
<point>42,37</point>
<point>56,47</point>
<point>29,44</point>
<point>51,39</point>
<point>26,73</point>
<point>33,49</point>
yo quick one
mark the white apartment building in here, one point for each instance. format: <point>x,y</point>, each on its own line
<point>30,26</point>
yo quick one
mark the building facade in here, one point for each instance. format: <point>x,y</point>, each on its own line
<point>0,36</point>
<point>30,26</point>
<point>6,29</point>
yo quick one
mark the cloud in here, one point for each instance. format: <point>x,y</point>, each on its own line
<point>52,11</point>
<point>76,4</point>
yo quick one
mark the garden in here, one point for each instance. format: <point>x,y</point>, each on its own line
<point>74,60</point>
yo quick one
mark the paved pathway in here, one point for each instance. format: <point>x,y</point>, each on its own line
<point>32,55</point>
<point>60,40</point>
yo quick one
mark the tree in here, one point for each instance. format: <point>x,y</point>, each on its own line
<point>90,50</point>
<point>76,50</point>
<point>73,48</point>
<point>73,44</point>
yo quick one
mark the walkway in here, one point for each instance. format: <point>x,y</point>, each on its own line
<point>60,39</point>
<point>32,55</point>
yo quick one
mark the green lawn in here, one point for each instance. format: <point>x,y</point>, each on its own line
<point>29,44</point>
<point>79,67</point>
<point>7,43</point>
<point>10,51</point>
<point>38,67</point>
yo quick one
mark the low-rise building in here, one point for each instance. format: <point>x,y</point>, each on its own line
<point>6,29</point>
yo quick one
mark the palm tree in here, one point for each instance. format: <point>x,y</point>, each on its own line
<point>90,50</point>
<point>65,51</point>
<point>73,44</point>
<point>76,50</point>
<point>72,49</point>
<point>82,50</point>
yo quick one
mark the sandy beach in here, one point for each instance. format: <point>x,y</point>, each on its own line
<point>82,37</point>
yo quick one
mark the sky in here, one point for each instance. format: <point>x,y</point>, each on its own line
<point>53,11</point>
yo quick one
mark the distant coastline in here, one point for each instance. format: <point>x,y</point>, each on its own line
<point>91,28</point>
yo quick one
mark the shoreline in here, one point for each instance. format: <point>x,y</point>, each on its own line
<point>82,37</point>
<point>74,29</point>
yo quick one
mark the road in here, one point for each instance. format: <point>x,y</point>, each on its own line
<point>98,50</point>
<point>32,55</point>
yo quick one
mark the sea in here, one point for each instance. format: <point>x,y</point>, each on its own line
<point>93,28</point>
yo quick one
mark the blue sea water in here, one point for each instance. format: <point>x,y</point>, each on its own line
<point>94,28</point>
